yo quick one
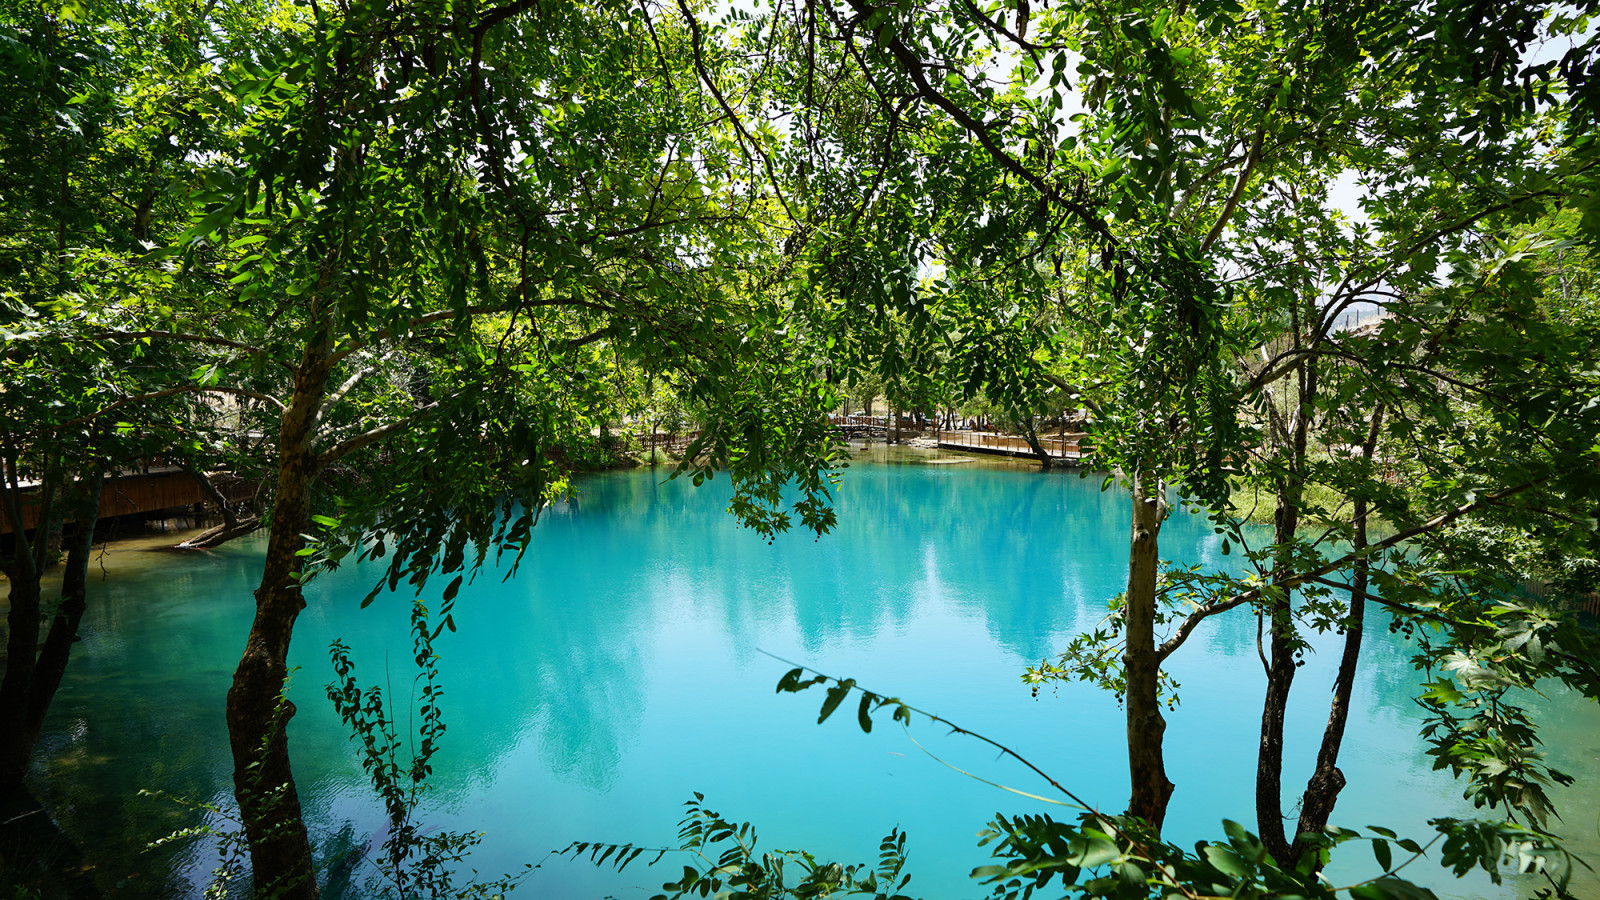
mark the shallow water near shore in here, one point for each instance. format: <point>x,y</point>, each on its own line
<point>626,666</point>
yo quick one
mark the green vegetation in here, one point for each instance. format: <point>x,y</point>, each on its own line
<point>408,263</point>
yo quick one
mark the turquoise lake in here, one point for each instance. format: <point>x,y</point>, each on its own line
<point>625,667</point>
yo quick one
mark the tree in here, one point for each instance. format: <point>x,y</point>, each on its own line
<point>80,183</point>
<point>422,246</point>
<point>414,231</point>
<point>1142,244</point>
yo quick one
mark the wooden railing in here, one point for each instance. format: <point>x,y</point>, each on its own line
<point>151,491</point>
<point>1058,446</point>
<point>670,441</point>
<point>1584,602</point>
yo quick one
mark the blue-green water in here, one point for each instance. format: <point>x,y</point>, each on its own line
<point>623,669</point>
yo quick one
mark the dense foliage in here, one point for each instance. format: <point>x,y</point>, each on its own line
<point>408,262</point>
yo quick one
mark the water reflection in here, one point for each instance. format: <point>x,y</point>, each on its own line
<point>619,671</point>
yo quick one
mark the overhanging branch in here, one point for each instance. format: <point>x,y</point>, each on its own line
<point>1187,626</point>
<point>157,395</point>
<point>372,436</point>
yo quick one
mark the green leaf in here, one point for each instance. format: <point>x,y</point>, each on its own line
<point>211,222</point>
<point>836,695</point>
<point>1226,861</point>
<point>1096,852</point>
<point>791,683</point>
<point>1391,888</point>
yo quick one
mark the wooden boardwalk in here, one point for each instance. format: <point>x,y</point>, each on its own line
<point>135,493</point>
<point>1063,450</point>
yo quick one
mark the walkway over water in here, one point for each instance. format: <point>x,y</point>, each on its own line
<point>1062,449</point>
<point>156,489</point>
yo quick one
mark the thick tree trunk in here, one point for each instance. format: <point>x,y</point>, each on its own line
<point>1142,667</point>
<point>258,713</point>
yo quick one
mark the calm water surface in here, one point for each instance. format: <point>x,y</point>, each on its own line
<point>623,669</point>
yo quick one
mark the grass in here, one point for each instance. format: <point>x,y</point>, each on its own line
<point>1257,503</point>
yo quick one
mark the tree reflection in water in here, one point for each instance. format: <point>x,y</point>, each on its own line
<point>619,671</point>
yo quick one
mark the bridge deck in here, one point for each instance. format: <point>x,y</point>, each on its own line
<point>1064,450</point>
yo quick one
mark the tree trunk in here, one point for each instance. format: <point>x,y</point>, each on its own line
<point>1281,664</point>
<point>22,652</point>
<point>23,570</point>
<point>1285,641</point>
<point>219,535</point>
<point>229,519</point>
<point>258,713</point>
<point>1322,789</point>
<point>34,670</point>
<point>1032,437</point>
<point>53,537</point>
<point>1142,667</point>
<point>232,526</point>
<point>1327,780</point>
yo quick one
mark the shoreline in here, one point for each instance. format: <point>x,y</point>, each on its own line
<point>118,551</point>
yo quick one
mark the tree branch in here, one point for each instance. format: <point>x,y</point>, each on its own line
<point>1460,225</point>
<point>1239,185</point>
<point>738,125</point>
<point>351,383</point>
<point>1072,389</point>
<point>591,337</point>
<point>156,395</point>
<point>371,436</point>
<point>1367,595</point>
<point>1194,618</point>
<point>188,338</point>
<point>384,334</point>
<point>916,69</point>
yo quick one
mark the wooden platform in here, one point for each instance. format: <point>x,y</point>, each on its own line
<point>154,490</point>
<point>1062,451</point>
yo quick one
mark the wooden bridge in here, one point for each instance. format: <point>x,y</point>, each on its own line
<point>675,442</point>
<point>1062,449</point>
<point>154,490</point>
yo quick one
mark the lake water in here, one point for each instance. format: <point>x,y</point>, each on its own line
<point>625,668</point>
